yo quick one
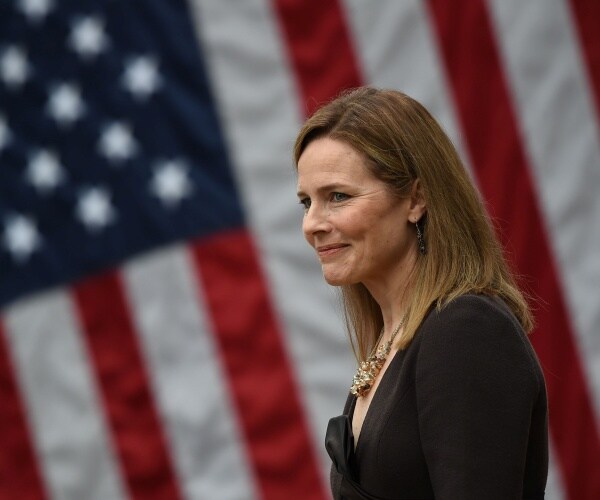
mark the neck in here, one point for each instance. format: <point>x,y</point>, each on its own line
<point>392,294</point>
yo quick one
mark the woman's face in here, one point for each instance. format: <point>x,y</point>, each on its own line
<point>360,231</point>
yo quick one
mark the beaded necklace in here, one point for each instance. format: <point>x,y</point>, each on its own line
<point>368,370</point>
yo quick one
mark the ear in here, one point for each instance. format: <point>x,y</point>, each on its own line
<point>418,205</point>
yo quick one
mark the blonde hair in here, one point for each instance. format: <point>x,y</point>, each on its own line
<point>402,142</point>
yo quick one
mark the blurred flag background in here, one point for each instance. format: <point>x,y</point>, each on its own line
<point>164,329</point>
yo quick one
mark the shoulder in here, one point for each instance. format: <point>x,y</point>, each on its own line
<point>468,309</point>
<point>471,317</point>
<point>475,330</point>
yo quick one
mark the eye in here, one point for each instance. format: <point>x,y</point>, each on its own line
<point>335,196</point>
<point>305,202</point>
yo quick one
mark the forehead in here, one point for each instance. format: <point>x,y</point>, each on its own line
<point>327,160</point>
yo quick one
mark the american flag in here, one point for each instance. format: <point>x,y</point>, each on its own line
<point>165,332</point>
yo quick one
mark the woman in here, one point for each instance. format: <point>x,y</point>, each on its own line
<point>449,401</point>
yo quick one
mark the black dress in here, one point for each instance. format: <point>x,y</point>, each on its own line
<point>460,414</point>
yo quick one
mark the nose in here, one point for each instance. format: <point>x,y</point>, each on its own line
<point>315,221</point>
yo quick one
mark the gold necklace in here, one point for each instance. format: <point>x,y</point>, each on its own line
<point>368,370</point>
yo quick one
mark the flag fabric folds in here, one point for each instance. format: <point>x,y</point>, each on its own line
<point>165,332</point>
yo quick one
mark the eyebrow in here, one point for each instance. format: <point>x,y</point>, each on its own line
<point>326,188</point>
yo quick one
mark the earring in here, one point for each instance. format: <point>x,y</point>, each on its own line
<point>420,239</point>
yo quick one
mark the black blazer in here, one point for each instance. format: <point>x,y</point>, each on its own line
<point>460,414</point>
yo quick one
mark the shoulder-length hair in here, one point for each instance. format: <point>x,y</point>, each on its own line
<point>401,143</point>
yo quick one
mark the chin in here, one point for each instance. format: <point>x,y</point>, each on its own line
<point>337,280</point>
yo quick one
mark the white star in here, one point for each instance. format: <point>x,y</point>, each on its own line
<point>5,134</point>
<point>141,76</point>
<point>35,10</point>
<point>88,37</point>
<point>44,171</point>
<point>94,209</point>
<point>65,104</point>
<point>21,237</point>
<point>117,143</point>
<point>171,182</point>
<point>14,67</point>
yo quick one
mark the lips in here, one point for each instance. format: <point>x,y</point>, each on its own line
<point>327,250</point>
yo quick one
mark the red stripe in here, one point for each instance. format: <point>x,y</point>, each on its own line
<point>257,367</point>
<point>587,17</point>
<point>124,385</point>
<point>486,114</point>
<point>320,49</point>
<point>19,474</point>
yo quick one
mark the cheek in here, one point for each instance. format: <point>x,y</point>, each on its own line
<point>384,240</point>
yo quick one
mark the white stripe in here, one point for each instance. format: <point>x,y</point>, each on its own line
<point>187,378</point>
<point>62,399</point>
<point>260,109</point>
<point>554,487</point>
<point>397,47</point>
<point>556,109</point>
<point>397,50</point>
